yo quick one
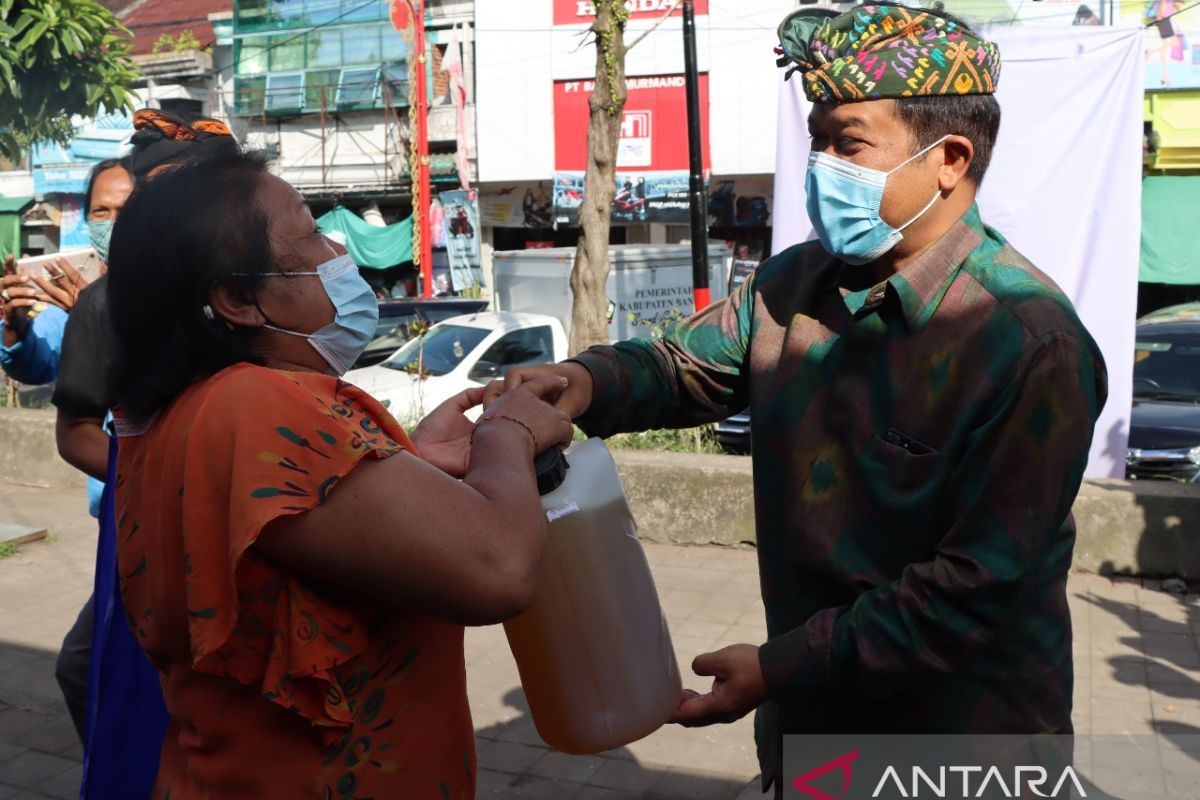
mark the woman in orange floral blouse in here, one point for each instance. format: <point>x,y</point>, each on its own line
<point>296,567</point>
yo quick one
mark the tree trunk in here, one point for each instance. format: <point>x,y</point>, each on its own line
<point>589,311</point>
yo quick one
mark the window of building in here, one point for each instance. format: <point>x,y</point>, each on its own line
<point>286,52</point>
<point>248,94</point>
<point>361,11</point>
<point>356,89</point>
<point>395,48</point>
<point>251,55</point>
<point>360,45</point>
<point>396,76</point>
<point>267,14</point>
<point>288,12</point>
<point>324,48</point>
<point>285,92</point>
<point>286,69</point>
<point>323,12</point>
<point>320,82</point>
<point>251,11</point>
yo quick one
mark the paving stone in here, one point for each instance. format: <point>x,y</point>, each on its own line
<point>30,769</point>
<point>1157,641</point>
<point>628,776</point>
<point>536,787</point>
<point>697,786</point>
<point>55,736</point>
<point>573,769</point>
<point>15,723</point>
<point>752,791</point>
<point>509,756</point>
<point>1117,625</point>
<point>65,785</point>
<point>1128,726</point>
<point>604,793</point>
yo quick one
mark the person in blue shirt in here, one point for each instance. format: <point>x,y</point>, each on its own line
<point>33,307</point>
<point>33,358</point>
<point>35,314</point>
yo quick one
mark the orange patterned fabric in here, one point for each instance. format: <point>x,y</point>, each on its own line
<point>172,128</point>
<point>279,686</point>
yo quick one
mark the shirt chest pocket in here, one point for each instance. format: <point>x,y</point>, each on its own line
<point>898,470</point>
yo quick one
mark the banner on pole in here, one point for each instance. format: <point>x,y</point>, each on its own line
<point>460,221</point>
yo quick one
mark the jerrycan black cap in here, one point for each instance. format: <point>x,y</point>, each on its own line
<point>551,467</point>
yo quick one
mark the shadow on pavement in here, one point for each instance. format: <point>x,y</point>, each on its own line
<point>1166,667</point>
<point>514,762</point>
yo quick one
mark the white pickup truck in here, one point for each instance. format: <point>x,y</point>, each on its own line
<point>456,354</point>
<point>646,286</point>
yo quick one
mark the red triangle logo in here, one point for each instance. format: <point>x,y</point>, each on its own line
<point>842,763</point>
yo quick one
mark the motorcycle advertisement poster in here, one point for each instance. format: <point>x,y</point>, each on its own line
<point>640,197</point>
<point>460,221</point>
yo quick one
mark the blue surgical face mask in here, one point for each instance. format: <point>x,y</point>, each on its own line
<point>100,232</point>
<point>342,341</point>
<point>843,205</point>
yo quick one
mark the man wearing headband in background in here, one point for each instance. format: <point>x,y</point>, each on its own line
<point>33,308</point>
<point>81,392</point>
<point>923,402</point>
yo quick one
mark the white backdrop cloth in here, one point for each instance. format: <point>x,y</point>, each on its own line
<point>1064,185</point>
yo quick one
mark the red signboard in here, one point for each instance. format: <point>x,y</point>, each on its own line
<point>575,12</point>
<point>653,128</point>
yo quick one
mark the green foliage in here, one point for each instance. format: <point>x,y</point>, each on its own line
<point>684,440</point>
<point>8,549</point>
<point>59,58</point>
<point>186,40</point>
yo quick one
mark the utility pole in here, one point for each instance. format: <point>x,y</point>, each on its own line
<point>697,199</point>
<point>422,195</point>
<point>406,13</point>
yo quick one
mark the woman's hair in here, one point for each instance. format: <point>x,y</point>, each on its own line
<point>180,234</point>
<point>103,166</point>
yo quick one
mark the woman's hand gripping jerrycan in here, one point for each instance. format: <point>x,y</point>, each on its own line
<point>593,649</point>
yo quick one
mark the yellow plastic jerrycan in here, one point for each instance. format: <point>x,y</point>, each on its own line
<point>593,649</point>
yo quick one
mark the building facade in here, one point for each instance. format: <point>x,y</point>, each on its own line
<point>534,77</point>
<point>323,85</point>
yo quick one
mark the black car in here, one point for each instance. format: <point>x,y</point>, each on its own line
<point>733,434</point>
<point>401,320</point>
<point>1164,434</point>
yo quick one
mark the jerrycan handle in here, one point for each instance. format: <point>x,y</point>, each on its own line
<point>551,468</point>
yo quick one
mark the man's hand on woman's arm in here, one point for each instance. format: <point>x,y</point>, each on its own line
<point>574,400</point>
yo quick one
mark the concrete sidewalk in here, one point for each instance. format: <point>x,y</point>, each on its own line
<point>1137,666</point>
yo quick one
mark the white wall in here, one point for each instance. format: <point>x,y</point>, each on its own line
<point>514,93</point>
<point>519,58</point>
<point>743,84</point>
<point>16,183</point>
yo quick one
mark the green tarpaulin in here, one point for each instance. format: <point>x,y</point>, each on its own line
<point>1170,230</point>
<point>371,246</point>
<point>10,224</point>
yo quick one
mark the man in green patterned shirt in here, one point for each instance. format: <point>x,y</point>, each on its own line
<point>923,402</point>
